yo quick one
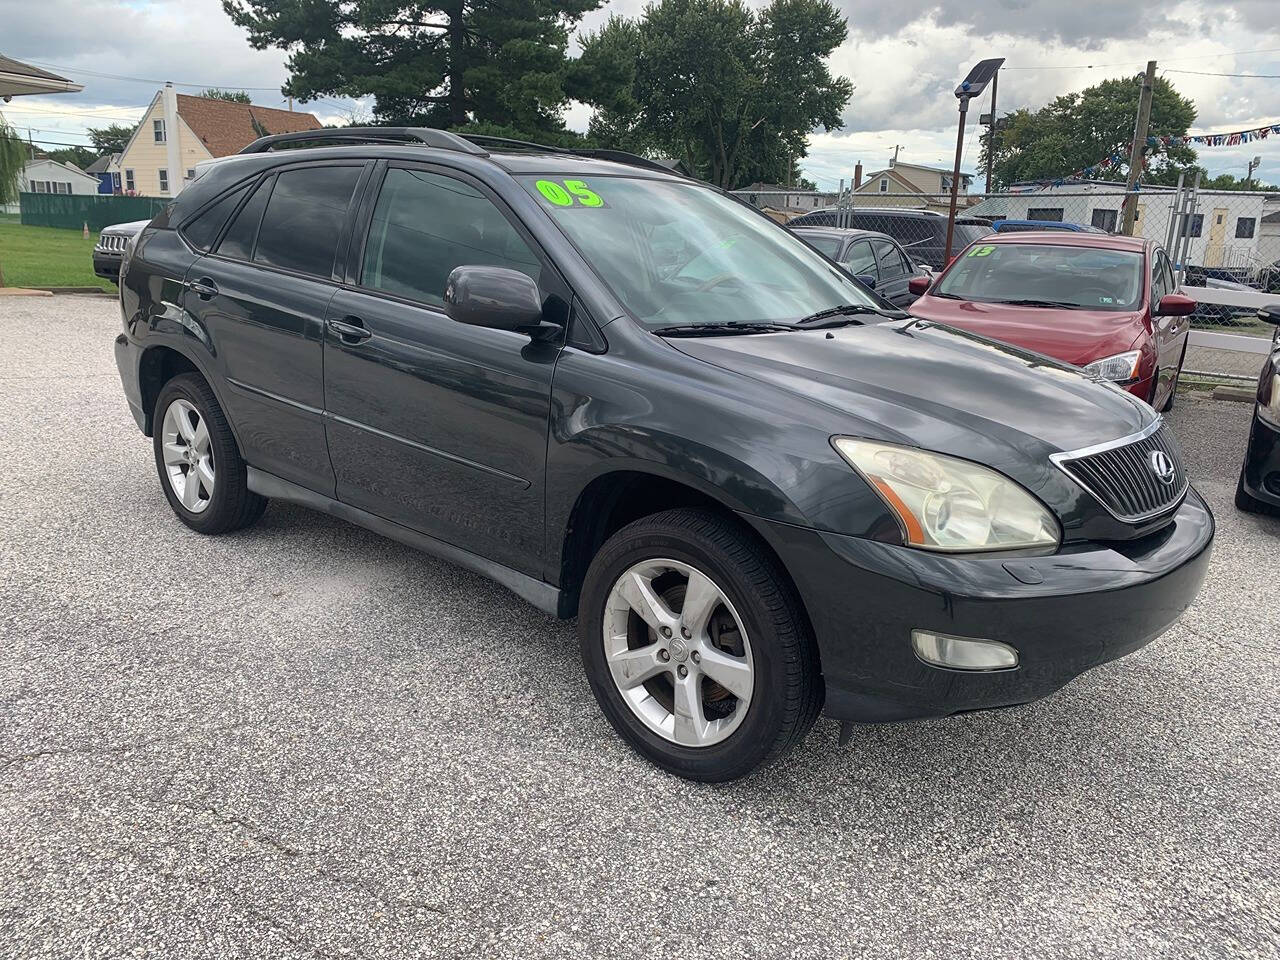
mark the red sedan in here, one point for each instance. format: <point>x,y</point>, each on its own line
<point>1108,304</point>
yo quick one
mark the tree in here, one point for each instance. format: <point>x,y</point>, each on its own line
<point>111,139</point>
<point>1224,181</point>
<point>80,156</point>
<point>732,91</point>
<point>443,64</point>
<point>217,93</point>
<point>1078,130</point>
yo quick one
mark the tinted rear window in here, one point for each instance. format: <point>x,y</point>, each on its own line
<point>305,217</point>
<point>238,242</point>
<point>204,229</point>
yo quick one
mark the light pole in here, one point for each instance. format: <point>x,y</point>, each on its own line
<point>970,87</point>
<point>1254,164</point>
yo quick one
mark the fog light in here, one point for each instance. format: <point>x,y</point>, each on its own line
<point>962,653</point>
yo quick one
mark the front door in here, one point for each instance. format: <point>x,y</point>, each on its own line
<point>261,297</point>
<point>1213,251</point>
<point>893,273</point>
<point>434,424</point>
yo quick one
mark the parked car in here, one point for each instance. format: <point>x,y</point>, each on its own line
<point>874,258</point>
<point>108,252</point>
<point>922,233</point>
<point>757,505</point>
<point>1107,304</point>
<point>1258,490</point>
<point>1022,226</point>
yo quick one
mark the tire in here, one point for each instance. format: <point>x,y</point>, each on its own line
<point>755,609</point>
<point>1248,503</point>
<point>1177,375</point>
<point>230,505</point>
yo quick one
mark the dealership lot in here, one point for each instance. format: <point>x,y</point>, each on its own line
<point>304,740</point>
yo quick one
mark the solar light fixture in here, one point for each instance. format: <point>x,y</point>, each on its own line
<point>971,86</point>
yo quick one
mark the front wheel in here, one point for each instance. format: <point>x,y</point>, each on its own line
<point>696,646</point>
<point>200,468</point>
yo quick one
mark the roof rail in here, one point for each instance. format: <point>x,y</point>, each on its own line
<point>591,153</point>
<point>442,139</point>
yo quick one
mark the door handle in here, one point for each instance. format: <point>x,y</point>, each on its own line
<point>204,288</point>
<point>350,329</point>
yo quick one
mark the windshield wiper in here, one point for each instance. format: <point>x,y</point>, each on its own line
<point>1038,303</point>
<point>843,310</point>
<point>719,329</point>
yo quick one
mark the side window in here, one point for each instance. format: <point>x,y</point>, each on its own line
<point>426,224</point>
<point>1159,283</point>
<point>888,260</point>
<point>238,241</point>
<point>304,219</point>
<point>1167,269</point>
<point>203,231</point>
<point>860,260</point>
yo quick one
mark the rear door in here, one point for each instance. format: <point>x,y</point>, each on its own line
<point>893,271</point>
<point>435,424</point>
<point>261,297</point>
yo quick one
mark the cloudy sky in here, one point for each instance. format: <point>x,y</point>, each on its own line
<point>904,57</point>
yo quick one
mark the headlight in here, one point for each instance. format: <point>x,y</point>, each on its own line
<point>1269,394</point>
<point>1121,368</point>
<point>947,504</point>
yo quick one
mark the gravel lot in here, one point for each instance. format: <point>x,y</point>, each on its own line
<point>304,740</point>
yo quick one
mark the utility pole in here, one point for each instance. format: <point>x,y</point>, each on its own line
<point>1136,150</point>
<point>991,129</point>
<point>896,148</point>
<point>1253,165</point>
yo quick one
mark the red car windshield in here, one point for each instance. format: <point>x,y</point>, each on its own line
<point>1042,274</point>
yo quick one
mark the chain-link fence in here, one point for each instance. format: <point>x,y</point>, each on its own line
<point>1225,245</point>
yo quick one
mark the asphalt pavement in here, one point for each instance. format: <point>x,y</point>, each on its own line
<point>303,740</point>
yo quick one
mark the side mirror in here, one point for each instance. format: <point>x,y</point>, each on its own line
<point>1175,305</point>
<point>919,286</point>
<point>867,280</point>
<point>496,297</point>
<point>1270,313</point>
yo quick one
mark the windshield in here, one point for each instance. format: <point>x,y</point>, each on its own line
<point>1071,276</point>
<point>677,253</point>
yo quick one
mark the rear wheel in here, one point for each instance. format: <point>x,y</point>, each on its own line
<point>696,646</point>
<point>199,463</point>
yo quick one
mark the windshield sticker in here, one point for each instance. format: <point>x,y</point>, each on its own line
<point>569,193</point>
<point>983,251</point>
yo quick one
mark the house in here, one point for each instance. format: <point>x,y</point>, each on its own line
<point>909,185</point>
<point>1223,230</point>
<point>107,169</point>
<point>780,199</point>
<point>178,131</point>
<point>21,79</point>
<point>53,176</point>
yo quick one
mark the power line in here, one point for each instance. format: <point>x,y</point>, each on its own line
<point>1129,63</point>
<point>176,83</point>
<point>1248,76</point>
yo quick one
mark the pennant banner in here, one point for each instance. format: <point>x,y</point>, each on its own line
<point>1216,139</point>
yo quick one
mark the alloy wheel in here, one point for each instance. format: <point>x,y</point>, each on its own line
<point>678,652</point>
<point>188,456</point>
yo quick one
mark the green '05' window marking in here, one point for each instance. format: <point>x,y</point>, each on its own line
<point>569,193</point>
<point>984,251</point>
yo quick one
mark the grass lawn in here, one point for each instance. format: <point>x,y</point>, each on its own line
<point>47,257</point>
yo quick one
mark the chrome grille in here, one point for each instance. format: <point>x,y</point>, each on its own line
<point>112,243</point>
<point>1123,474</point>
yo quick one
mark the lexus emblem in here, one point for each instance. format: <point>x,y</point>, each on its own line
<point>1162,466</point>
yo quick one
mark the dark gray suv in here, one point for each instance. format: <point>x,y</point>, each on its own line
<point>632,399</point>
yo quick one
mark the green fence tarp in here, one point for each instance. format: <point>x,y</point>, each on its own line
<point>73,211</point>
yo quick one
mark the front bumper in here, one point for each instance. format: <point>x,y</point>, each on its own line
<point>107,265</point>
<point>1064,613</point>
<point>1260,475</point>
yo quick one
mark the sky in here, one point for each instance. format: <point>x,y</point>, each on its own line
<point>904,58</point>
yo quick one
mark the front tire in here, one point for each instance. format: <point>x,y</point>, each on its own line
<point>696,645</point>
<point>200,468</point>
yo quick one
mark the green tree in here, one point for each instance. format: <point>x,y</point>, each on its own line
<point>1223,181</point>
<point>111,139</point>
<point>447,63</point>
<point>731,91</point>
<point>1077,130</point>
<point>217,93</point>
<point>80,156</point>
<point>13,157</point>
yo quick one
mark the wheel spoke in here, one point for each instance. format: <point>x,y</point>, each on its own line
<point>191,490</point>
<point>638,592</point>
<point>731,673</point>
<point>174,454</point>
<point>205,472</point>
<point>182,417</point>
<point>700,598</point>
<point>200,438</point>
<point>633,667</point>
<point>691,726</point>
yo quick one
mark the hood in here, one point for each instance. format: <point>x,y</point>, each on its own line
<point>939,388</point>
<point>1072,336</point>
<point>128,229</point>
